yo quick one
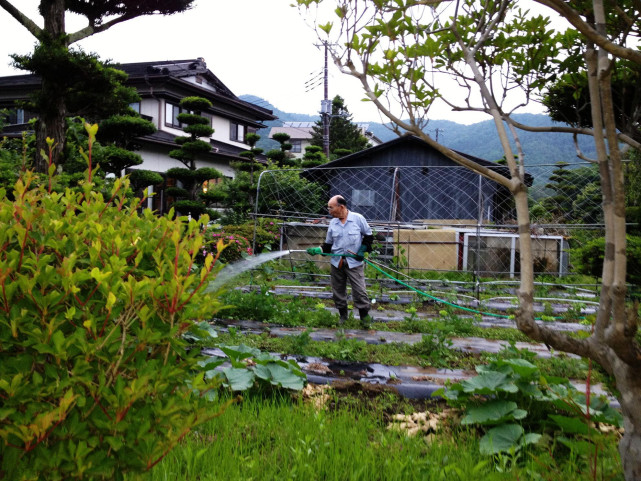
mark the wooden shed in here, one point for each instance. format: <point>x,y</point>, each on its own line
<point>406,180</point>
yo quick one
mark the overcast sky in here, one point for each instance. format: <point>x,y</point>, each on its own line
<point>259,47</point>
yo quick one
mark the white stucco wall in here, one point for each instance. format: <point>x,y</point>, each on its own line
<point>157,160</point>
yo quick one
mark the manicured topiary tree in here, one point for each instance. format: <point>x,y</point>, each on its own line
<point>118,135</point>
<point>283,157</point>
<point>313,157</point>
<point>190,198</point>
<point>237,194</point>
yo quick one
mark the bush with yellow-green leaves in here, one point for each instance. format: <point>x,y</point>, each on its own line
<point>96,378</point>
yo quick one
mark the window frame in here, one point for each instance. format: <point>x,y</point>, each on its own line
<point>174,114</point>
<point>234,128</point>
<point>297,146</point>
<point>363,197</point>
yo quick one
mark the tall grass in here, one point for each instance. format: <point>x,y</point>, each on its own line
<point>277,439</point>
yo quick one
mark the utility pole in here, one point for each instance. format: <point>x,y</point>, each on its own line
<point>326,108</point>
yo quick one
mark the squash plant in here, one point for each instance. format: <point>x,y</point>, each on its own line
<point>511,396</point>
<point>95,299</point>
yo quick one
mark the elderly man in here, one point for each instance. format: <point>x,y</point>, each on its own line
<point>348,233</point>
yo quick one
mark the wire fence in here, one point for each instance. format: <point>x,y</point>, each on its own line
<point>444,222</point>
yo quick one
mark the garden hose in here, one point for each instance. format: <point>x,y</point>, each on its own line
<point>437,299</point>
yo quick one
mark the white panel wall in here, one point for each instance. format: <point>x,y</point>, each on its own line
<point>158,161</point>
<point>151,107</point>
<point>221,127</point>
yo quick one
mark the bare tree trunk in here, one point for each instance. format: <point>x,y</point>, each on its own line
<point>615,327</point>
<point>52,121</point>
<point>628,382</point>
<point>51,125</point>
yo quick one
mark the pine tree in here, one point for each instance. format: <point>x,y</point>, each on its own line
<point>345,137</point>
<point>237,194</point>
<point>69,75</point>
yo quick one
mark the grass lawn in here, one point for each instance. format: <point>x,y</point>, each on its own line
<point>277,437</point>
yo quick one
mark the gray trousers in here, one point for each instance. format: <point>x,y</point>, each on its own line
<point>356,276</point>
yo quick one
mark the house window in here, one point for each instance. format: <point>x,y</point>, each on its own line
<point>171,115</point>
<point>237,132</point>
<point>297,146</point>
<point>135,106</point>
<point>209,184</point>
<point>209,117</point>
<point>16,117</point>
<point>363,198</point>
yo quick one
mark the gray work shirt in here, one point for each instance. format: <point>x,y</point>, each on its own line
<point>347,237</point>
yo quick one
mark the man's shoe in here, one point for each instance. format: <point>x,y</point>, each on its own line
<point>342,314</point>
<point>365,318</point>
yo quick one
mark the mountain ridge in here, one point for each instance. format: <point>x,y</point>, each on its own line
<point>478,139</point>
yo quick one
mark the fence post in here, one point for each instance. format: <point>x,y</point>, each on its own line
<point>479,220</point>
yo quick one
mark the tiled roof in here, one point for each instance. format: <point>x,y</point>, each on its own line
<point>175,69</point>
<point>142,73</point>
<point>294,133</point>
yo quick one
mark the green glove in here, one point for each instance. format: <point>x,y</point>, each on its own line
<point>360,255</point>
<point>314,251</point>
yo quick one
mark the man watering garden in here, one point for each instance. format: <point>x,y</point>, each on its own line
<point>349,237</point>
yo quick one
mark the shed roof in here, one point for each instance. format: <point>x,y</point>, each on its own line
<point>363,155</point>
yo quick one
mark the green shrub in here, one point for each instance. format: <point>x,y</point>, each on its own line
<point>588,259</point>
<point>236,246</point>
<point>267,236</point>
<point>253,305</point>
<point>95,298</point>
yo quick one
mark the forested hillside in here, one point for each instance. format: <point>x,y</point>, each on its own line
<point>480,139</point>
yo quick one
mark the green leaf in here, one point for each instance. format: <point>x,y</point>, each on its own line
<point>531,438</point>
<point>58,340</point>
<point>5,412</point>
<point>489,383</point>
<point>523,368</point>
<point>238,353</point>
<point>280,376</point>
<point>501,439</point>
<point>570,425</point>
<point>239,379</point>
<point>493,412</point>
<point>578,446</point>
<point>203,331</point>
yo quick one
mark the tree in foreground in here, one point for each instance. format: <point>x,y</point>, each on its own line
<point>407,55</point>
<point>65,72</point>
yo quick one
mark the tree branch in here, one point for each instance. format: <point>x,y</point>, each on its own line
<point>579,152</point>
<point>572,16</point>
<point>415,130</point>
<point>573,130</point>
<point>93,28</point>
<point>25,21</point>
